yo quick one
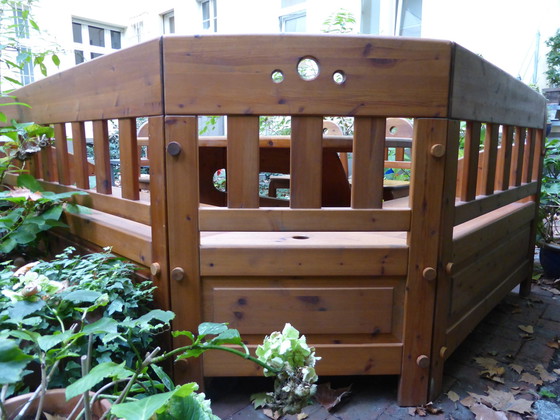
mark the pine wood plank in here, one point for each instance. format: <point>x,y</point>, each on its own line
<point>183,237</point>
<point>368,162</point>
<point>102,157</point>
<point>469,175</point>
<point>306,162</point>
<point>130,170</point>
<point>489,163</point>
<point>518,156</point>
<point>504,158</point>
<point>61,145</point>
<point>80,163</point>
<point>529,157</point>
<point>267,219</point>
<point>243,162</point>
<point>48,161</point>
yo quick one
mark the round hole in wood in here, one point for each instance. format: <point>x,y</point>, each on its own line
<point>308,68</point>
<point>339,77</point>
<point>393,130</point>
<point>300,237</point>
<point>277,76</point>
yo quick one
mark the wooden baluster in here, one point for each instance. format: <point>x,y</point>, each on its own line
<point>488,178</point>
<point>539,149</point>
<point>504,159</point>
<point>243,162</point>
<point>467,186</point>
<point>81,172</point>
<point>529,156</point>
<point>48,164</point>
<point>62,161</point>
<point>130,169</point>
<point>517,157</point>
<point>102,157</point>
<point>36,165</point>
<point>368,162</point>
<point>306,161</point>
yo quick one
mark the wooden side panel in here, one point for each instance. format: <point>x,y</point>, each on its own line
<point>243,162</point>
<point>469,174</point>
<point>183,247</point>
<point>102,157</point>
<point>130,170</point>
<point>80,167</point>
<point>482,92</point>
<point>368,162</point>
<point>62,163</point>
<point>404,77</point>
<point>306,162</point>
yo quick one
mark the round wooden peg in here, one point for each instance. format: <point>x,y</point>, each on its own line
<point>437,150</point>
<point>423,361</point>
<point>443,352</point>
<point>177,274</point>
<point>429,273</point>
<point>174,148</point>
<point>155,269</point>
<point>449,268</point>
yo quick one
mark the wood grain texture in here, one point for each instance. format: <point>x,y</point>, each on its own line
<point>504,158</point>
<point>80,163</point>
<point>469,175</point>
<point>62,163</point>
<point>130,169</point>
<point>489,161</point>
<point>103,182</point>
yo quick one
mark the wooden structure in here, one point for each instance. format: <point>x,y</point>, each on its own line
<point>378,287</point>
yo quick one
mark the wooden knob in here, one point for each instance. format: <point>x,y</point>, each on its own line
<point>155,269</point>
<point>423,361</point>
<point>177,274</point>
<point>443,352</point>
<point>437,150</point>
<point>174,148</point>
<point>449,268</point>
<point>429,273</point>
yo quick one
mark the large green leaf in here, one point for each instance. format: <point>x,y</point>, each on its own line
<point>229,336</point>
<point>47,342</point>
<point>23,308</point>
<point>211,328</point>
<point>103,325</point>
<point>79,296</point>
<point>12,362</point>
<point>28,181</point>
<point>190,407</point>
<point>96,375</point>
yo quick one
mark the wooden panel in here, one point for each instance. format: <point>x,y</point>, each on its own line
<point>127,238</point>
<point>539,154</point>
<point>130,170</point>
<point>504,158</point>
<point>482,92</point>
<point>243,162</point>
<point>490,155</point>
<point>102,157</point>
<point>468,180</point>
<point>259,261</point>
<point>472,209</point>
<point>404,77</point>
<point>62,164</point>
<point>183,246</point>
<point>48,164</point>
<point>80,167</point>
<point>529,158</point>
<point>352,310</point>
<point>367,162</point>
<point>124,84</point>
<point>359,359</point>
<point>286,220</point>
<point>518,156</point>
<point>306,162</point>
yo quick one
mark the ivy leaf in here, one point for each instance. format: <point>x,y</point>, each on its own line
<point>47,342</point>
<point>104,325</point>
<point>187,407</point>
<point>12,362</point>
<point>211,328</point>
<point>28,181</point>
<point>23,308</point>
<point>79,296</point>
<point>229,336</point>
<point>96,375</point>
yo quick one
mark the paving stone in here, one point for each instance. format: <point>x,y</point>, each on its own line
<point>552,313</point>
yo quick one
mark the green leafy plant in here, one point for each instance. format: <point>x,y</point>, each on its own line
<point>341,22</point>
<point>553,60</point>
<point>549,208</point>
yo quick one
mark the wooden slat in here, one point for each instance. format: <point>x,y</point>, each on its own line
<point>468,181</point>
<point>130,170</point>
<point>397,164</point>
<point>482,92</point>
<point>529,158</point>
<point>293,261</point>
<point>368,162</point>
<point>243,162</point>
<point>102,157</point>
<point>504,158</point>
<point>80,167</point>
<point>216,219</point>
<point>425,239</point>
<point>306,162</point>
<point>476,208</point>
<point>48,164</point>
<point>417,72</point>
<point>183,236</point>
<point>61,145</point>
<point>158,210</point>
<point>490,155</point>
<point>518,156</point>
<point>539,154</point>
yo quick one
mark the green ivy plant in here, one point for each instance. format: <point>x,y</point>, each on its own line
<point>553,60</point>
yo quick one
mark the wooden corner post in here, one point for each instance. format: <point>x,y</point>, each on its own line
<point>433,181</point>
<point>181,162</point>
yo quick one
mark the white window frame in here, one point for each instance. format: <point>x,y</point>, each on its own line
<point>399,24</point>
<point>292,16</point>
<point>210,24</point>
<point>85,45</point>
<point>168,22</point>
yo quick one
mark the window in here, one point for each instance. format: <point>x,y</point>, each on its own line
<point>289,3</point>
<point>92,40</point>
<point>294,22</point>
<point>21,25</point>
<point>370,17</point>
<point>168,20</point>
<point>209,15</point>
<point>409,17</point>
